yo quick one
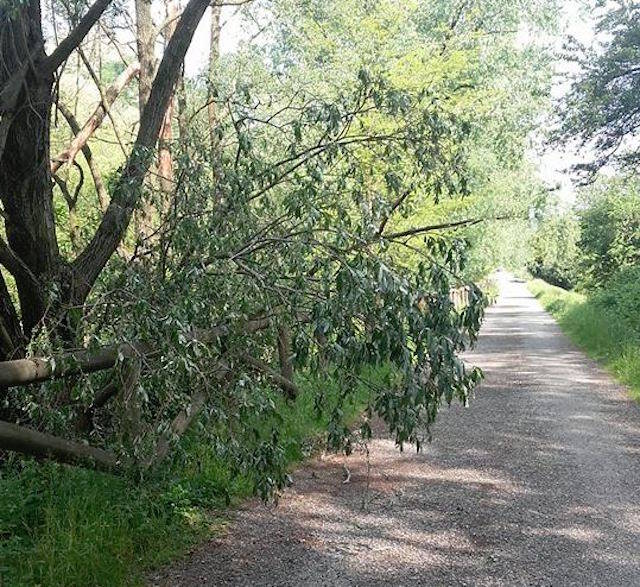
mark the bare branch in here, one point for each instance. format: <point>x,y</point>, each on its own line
<point>447,225</point>
<point>96,119</point>
<point>75,37</point>
<point>15,265</point>
<point>399,201</point>
<point>88,155</point>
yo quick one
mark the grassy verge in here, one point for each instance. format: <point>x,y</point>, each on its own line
<point>61,525</point>
<point>602,334</point>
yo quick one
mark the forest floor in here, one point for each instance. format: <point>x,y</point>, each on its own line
<point>535,484</point>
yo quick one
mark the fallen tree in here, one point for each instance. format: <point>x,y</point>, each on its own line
<point>38,369</point>
<point>41,445</point>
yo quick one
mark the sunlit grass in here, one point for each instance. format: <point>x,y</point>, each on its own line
<point>602,334</point>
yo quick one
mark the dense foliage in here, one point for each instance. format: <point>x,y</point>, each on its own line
<point>610,230</point>
<point>592,244</point>
<point>554,250</point>
<point>68,526</point>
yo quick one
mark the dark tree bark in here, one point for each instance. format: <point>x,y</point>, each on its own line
<point>31,253</point>
<point>25,179</point>
<point>26,90</point>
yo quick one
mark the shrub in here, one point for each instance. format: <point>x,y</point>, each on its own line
<point>555,251</point>
<point>621,296</point>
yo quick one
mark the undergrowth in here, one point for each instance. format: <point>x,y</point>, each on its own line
<point>601,324</point>
<point>61,525</point>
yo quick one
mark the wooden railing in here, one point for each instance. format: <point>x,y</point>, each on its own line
<point>460,297</point>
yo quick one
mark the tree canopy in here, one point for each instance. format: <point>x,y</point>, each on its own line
<point>309,202</point>
<point>601,110</point>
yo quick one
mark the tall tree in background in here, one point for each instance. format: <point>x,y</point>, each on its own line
<point>165,160</point>
<point>213,72</point>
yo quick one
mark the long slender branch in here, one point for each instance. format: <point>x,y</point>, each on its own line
<point>447,225</point>
<point>38,369</point>
<point>95,120</point>
<point>399,200</point>
<point>75,37</point>
<point>104,99</point>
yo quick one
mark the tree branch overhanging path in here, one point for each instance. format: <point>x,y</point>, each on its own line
<point>271,202</point>
<point>478,475</point>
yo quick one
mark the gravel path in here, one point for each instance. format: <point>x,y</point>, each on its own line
<point>536,484</point>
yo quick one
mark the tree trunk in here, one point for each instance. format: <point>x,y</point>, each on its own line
<point>284,352</point>
<point>145,41</point>
<point>165,159</point>
<point>212,107</point>
<point>25,177</point>
<point>127,191</point>
<point>26,95</point>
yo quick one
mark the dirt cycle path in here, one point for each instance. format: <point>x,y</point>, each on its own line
<point>538,483</point>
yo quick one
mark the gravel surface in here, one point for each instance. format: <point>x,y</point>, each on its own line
<point>535,484</point>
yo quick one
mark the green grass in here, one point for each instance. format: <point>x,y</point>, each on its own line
<point>605,335</point>
<point>61,525</point>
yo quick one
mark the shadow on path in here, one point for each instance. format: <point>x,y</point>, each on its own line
<point>536,484</point>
